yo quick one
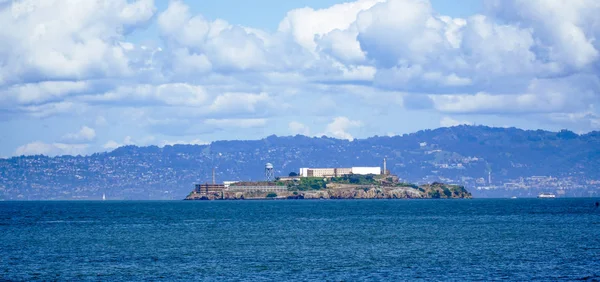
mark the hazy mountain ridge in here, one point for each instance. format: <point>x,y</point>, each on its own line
<point>461,155</point>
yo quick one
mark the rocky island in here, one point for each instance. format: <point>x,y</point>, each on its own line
<point>343,187</point>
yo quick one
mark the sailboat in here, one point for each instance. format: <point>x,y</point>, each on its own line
<point>103,197</point>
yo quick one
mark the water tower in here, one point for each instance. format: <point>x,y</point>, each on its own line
<point>269,172</point>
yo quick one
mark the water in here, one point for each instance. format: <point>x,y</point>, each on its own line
<point>523,239</point>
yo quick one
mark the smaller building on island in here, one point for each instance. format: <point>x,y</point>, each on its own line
<point>258,188</point>
<point>207,188</point>
<point>338,172</point>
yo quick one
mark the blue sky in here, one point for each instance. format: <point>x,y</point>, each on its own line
<point>92,76</point>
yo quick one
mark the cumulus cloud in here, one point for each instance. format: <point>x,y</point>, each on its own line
<point>228,47</point>
<point>39,93</point>
<point>128,140</point>
<point>298,128</point>
<point>197,76</point>
<point>101,121</point>
<point>111,145</point>
<point>449,122</point>
<point>306,24</point>
<point>182,142</point>
<point>84,135</point>
<point>238,102</point>
<point>565,30</point>
<point>51,149</point>
<point>339,127</point>
<point>51,109</point>
<point>171,94</point>
<point>67,40</point>
<point>236,123</point>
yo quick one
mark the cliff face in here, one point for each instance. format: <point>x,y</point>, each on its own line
<point>435,190</point>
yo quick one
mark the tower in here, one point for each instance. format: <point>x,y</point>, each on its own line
<point>269,172</point>
<point>384,166</point>
<point>213,176</point>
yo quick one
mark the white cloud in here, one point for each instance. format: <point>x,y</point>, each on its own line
<point>449,122</point>
<point>239,102</point>
<point>228,47</point>
<point>171,94</point>
<point>111,144</point>
<point>298,128</point>
<point>182,142</point>
<point>343,46</point>
<point>306,23</point>
<point>66,40</point>
<point>208,78</point>
<point>84,135</point>
<point>339,127</point>
<point>36,93</point>
<point>53,149</point>
<point>51,109</point>
<point>566,30</point>
<point>236,123</point>
<point>101,121</point>
<point>581,121</point>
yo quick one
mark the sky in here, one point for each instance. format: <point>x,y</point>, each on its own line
<point>79,77</point>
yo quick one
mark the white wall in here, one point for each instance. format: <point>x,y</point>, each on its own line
<point>228,183</point>
<point>304,171</point>
<point>366,170</point>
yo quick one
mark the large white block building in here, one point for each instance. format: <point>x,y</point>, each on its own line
<point>337,172</point>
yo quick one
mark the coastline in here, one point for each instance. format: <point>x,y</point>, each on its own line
<point>434,191</point>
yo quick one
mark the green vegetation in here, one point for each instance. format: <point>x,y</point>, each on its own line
<point>447,192</point>
<point>440,190</point>
<point>307,183</point>
<point>355,179</point>
<point>293,174</point>
<point>364,182</point>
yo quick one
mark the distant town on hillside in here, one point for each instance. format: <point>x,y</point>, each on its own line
<point>488,162</point>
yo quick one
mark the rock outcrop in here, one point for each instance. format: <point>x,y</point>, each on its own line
<point>435,190</point>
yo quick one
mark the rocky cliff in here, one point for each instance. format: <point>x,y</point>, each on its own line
<point>435,190</point>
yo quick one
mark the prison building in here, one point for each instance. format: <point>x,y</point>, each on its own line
<point>274,188</point>
<point>338,172</point>
<point>205,189</point>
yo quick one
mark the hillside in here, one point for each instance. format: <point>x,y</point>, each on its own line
<point>520,162</point>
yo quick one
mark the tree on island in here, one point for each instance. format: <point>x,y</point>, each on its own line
<point>293,174</point>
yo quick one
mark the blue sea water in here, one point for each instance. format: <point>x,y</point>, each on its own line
<point>335,240</point>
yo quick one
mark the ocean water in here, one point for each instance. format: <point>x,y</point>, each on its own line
<point>333,240</point>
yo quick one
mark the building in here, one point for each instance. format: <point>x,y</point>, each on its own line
<point>338,172</point>
<point>228,183</point>
<point>205,189</point>
<point>366,170</point>
<point>321,172</point>
<point>271,188</point>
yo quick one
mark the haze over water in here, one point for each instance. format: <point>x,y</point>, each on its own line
<point>522,239</point>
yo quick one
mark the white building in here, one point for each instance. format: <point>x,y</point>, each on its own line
<point>228,183</point>
<point>337,172</point>
<point>366,170</point>
<point>304,172</point>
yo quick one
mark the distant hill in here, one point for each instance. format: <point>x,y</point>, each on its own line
<point>462,155</point>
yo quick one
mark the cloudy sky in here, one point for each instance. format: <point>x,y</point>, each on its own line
<point>78,77</point>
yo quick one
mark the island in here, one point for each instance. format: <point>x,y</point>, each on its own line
<point>347,186</point>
